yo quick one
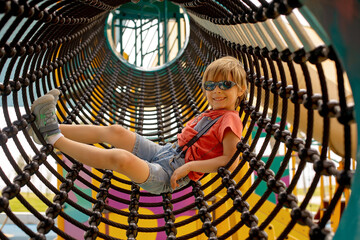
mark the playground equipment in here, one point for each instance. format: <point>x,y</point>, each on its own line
<point>302,76</point>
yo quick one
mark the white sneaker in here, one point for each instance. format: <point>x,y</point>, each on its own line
<point>44,108</point>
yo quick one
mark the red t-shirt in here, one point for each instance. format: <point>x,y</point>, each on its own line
<point>208,145</point>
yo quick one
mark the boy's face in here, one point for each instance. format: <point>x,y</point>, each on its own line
<point>223,99</point>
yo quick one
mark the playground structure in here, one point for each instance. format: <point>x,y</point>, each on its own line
<point>300,80</point>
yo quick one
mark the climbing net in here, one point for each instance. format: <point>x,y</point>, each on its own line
<point>61,44</point>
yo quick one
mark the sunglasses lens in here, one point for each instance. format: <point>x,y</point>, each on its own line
<point>209,85</point>
<point>226,85</point>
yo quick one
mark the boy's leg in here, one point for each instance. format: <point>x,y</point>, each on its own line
<point>118,160</point>
<point>114,135</point>
<point>115,159</point>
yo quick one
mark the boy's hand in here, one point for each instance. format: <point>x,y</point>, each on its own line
<point>179,173</point>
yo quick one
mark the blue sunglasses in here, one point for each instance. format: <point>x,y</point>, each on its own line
<point>223,85</point>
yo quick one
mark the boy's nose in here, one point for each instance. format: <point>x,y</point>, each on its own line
<point>217,88</point>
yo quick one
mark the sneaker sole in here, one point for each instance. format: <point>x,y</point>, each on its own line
<point>32,134</point>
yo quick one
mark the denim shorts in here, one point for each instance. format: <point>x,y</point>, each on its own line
<point>162,161</point>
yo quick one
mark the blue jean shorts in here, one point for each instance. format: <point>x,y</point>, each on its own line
<point>162,161</point>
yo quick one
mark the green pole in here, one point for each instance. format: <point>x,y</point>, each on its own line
<point>120,36</point>
<point>141,40</point>
<point>158,45</point>
<point>179,31</point>
<point>136,45</point>
<point>166,32</point>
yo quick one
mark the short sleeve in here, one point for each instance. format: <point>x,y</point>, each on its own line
<point>230,121</point>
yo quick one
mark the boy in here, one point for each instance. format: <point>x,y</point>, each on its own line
<point>156,168</point>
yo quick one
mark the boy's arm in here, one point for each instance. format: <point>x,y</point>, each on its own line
<point>210,165</point>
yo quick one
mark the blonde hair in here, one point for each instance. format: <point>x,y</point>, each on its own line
<point>225,66</point>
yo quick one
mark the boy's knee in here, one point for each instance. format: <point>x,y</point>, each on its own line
<point>116,129</point>
<point>119,137</point>
<point>113,132</point>
<point>119,159</point>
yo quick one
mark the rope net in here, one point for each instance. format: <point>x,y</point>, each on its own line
<point>291,103</point>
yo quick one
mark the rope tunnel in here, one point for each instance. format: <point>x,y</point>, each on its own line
<point>298,113</point>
